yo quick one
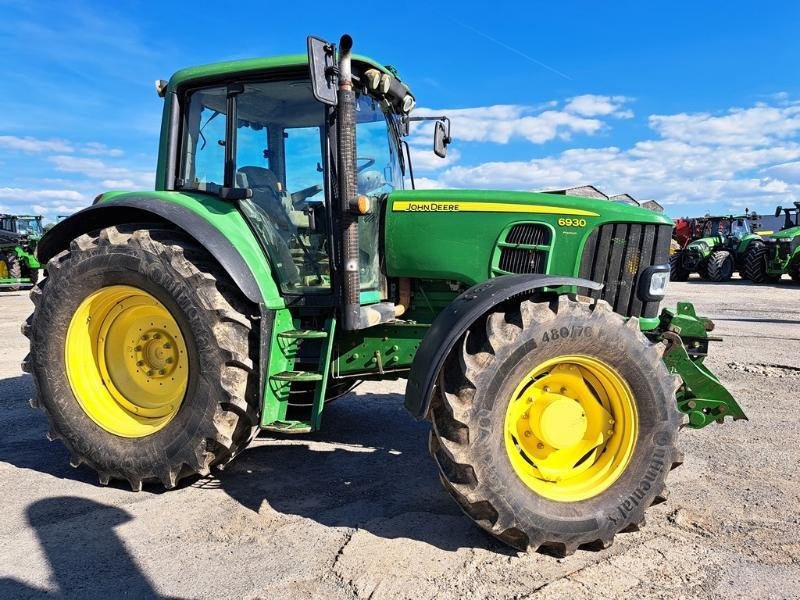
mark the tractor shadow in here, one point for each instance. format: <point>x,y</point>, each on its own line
<point>368,469</point>
<point>24,442</point>
<point>84,552</point>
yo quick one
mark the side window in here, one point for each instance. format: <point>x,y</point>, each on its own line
<point>204,140</point>
<point>302,150</point>
<point>251,146</point>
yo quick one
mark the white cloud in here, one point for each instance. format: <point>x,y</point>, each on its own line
<point>503,123</point>
<point>103,172</point>
<point>591,105</point>
<point>34,145</point>
<point>423,158</point>
<point>98,149</point>
<point>42,201</point>
<point>697,159</point>
<point>754,126</point>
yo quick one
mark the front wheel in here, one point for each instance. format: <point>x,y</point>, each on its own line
<point>677,272</point>
<point>13,269</point>
<point>720,266</point>
<point>140,354</point>
<point>554,424</point>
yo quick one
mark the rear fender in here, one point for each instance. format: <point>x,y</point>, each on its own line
<point>259,289</point>
<point>454,321</point>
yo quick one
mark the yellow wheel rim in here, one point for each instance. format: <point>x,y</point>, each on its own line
<point>126,361</point>
<point>570,428</point>
<point>3,269</point>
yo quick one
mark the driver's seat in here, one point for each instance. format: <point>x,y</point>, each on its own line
<point>269,194</point>
<point>266,193</point>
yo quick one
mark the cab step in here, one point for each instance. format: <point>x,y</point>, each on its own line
<point>297,376</point>
<point>303,334</point>
<point>289,427</point>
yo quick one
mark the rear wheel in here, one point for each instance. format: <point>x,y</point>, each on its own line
<point>720,266</point>
<point>140,352</point>
<point>755,263</point>
<point>554,425</point>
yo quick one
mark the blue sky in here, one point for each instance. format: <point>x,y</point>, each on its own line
<point>693,104</point>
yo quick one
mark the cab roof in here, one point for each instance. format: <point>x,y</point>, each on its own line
<point>252,66</point>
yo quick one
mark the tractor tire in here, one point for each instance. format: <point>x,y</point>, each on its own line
<point>720,266</point>
<point>794,271</point>
<point>676,270</point>
<point>14,266</point>
<point>489,473</point>
<point>755,264</point>
<point>96,362</point>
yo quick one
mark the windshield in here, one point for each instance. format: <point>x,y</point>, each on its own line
<point>31,227</point>
<point>740,228</point>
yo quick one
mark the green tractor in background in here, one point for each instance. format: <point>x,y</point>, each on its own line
<point>19,236</point>
<point>776,253</point>
<point>280,260</point>
<point>718,252</point>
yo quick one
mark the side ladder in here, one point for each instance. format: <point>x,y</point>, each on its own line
<point>290,341</point>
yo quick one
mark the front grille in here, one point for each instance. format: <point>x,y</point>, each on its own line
<point>524,249</point>
<point>516,260</point>
<point>615,255</point>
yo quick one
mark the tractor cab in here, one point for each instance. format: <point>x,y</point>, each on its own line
<point>266,142</point>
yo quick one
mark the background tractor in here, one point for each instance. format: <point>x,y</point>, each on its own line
<point>279,261</point>
<point>19,235</point>
<point>777,253</point>
<point>716,247</point>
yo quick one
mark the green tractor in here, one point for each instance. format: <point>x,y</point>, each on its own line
<point>719,251</point>
<point>279,261</point>
<point>19,236</point>
<point>778,253</point>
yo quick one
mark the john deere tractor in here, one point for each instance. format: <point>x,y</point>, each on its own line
<point>777,253</point>
<point>718,252</point>
<point>19,235</point>
<point>280,260</point>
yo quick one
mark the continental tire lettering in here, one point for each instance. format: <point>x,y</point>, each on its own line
<point>565,333</point>
<point>654,470</point>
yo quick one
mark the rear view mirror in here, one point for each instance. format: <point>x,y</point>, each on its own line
<point>441,138</point>
<point>321,63</point>
<point>778,211</point>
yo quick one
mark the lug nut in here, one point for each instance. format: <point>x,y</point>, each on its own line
<point>140,363</point>
<point>167,346</point>
<point>547,388</point>
<point>527,434</point>
<point>145,337</point>
<point>169,360</point>
<point>563,390</point>
<point>138,348</point>
<point>540,446</point>
<point>150,373</point>
<point>162,372</point>
<point>156,336</point>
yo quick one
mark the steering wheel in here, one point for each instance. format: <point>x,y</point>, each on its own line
<point>367,164</point>
<point>301,195</point>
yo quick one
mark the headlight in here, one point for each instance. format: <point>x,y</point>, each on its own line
<point>653,283</point>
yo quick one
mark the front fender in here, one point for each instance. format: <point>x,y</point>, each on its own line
<point>454,321</point>
<point>214,224</point>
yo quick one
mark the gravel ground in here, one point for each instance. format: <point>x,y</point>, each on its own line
<point>357,510</point>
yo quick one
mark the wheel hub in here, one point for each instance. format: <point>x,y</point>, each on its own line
<point>571,427</point>
<point>126,361</point>
<point>559,421</point>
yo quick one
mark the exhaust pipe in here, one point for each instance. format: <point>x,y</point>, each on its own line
<point>348,221</point>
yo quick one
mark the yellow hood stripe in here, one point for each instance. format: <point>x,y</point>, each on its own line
<point>459,206</point>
